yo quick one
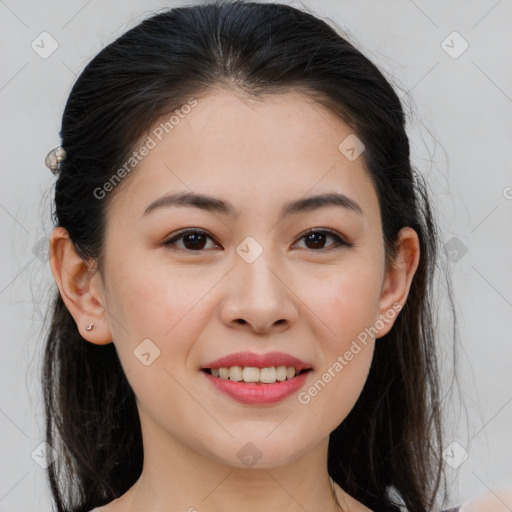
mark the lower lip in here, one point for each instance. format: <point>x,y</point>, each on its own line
<point>254,394</point>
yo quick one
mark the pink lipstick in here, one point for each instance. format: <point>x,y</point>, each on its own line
<point>255,393</point>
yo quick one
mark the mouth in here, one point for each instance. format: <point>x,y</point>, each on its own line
<point>255,375</point>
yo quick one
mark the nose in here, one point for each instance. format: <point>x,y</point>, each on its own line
<point>259,297</point>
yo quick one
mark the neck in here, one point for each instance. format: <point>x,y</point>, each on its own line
<point>185,479</point>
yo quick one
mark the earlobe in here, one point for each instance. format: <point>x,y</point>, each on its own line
<point>398,279</point>
<point>79,289</point>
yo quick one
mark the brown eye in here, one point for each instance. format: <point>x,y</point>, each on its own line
<point>193,240</point>
<point>196,240</point>
<point>316,239</point>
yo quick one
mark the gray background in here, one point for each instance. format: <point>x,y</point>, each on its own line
<point>460,126</point>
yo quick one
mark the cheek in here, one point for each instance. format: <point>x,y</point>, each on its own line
<point>345,308</point>
<point>330,397</point>
<point>152,298</point>
<point>165,305</point>
<point>345,303</point>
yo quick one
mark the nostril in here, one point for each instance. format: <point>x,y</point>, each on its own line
<point>241,321</point>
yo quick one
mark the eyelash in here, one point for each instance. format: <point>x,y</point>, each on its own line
<point>339,241</point>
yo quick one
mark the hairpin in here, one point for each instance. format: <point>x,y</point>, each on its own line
<point>54,158</point>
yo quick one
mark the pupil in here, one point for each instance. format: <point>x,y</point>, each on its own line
<point>196,242</point>
<point>318,239</point>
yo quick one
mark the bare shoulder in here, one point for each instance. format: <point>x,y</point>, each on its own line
<point>496,500</point>
<point>110,507</point>
<point>121,504</point>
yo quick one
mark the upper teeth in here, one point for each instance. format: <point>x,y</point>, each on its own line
<point>252,374</point>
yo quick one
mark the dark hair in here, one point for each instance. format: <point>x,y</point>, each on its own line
<point>391,441</point>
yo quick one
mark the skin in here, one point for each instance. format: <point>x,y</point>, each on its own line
<point>295,298</point>
<point>497,500</point>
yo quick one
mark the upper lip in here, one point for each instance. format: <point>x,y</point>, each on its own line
<point>258,360</point>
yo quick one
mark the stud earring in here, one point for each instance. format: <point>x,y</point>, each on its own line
<point>89,327</point>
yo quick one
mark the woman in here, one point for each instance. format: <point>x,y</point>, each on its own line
<point>244,260</point>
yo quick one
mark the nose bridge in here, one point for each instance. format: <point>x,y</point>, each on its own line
<point>257,266</point>
<point>257,294</point>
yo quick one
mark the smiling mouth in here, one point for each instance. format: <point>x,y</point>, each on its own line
<point>254,375</point>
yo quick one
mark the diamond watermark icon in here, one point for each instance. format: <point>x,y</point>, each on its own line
<point>454,45</point>
<point>455,249</point>
<point>455,455</point>
<point>352,147</point>
<point>249,454</point>
<point>40,249</point>
<point>44,455</point>
<point>44,45</point>
<point>146,352</point>
<point>249,249</point>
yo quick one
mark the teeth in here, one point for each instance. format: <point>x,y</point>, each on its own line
<point>268,375</point>
<point>281,373</point>
<point>235,373</point>
<point>252,374</point>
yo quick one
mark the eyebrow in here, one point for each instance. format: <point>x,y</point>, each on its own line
<point>209,203</point>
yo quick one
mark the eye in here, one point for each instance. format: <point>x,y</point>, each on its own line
<point>193,240</point>
<point>316,238</point>
<point>196,240</point>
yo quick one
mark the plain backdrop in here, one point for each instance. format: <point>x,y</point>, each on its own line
<point>450,61</point>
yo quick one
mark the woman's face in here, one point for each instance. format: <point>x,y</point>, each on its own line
<point>252,279</point>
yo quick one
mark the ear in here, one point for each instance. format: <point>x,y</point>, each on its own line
<point>80,287</point>
<point>398,279</point>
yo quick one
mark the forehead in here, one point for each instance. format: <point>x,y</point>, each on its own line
<point>280,147</point>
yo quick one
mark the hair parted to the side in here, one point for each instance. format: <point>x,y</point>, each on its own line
<point>392,439</point>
